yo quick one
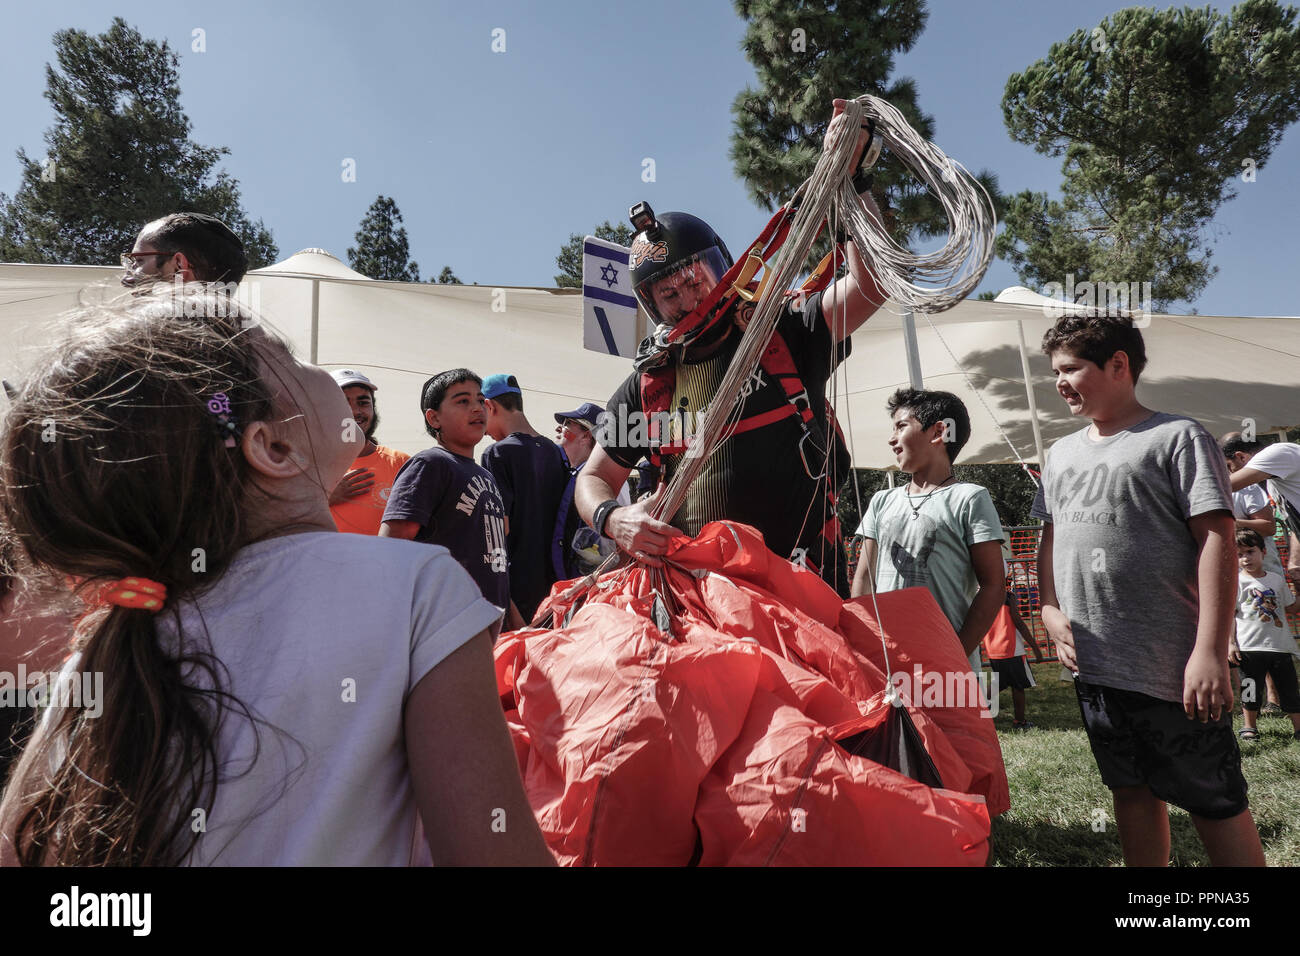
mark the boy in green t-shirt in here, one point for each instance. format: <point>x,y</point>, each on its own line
<point>935,532</point>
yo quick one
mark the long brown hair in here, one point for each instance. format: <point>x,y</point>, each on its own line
<point>112,465</point>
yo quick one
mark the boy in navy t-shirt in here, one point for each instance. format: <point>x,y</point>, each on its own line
<point>441,496</point>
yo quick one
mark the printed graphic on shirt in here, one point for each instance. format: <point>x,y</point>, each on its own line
<point>910,545</point>
<point>458,506</point>
<point>1085,490</point>
<point>494,524</point>
<point>1261,605</point>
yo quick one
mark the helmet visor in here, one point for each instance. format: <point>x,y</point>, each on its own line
<point>671,296</point>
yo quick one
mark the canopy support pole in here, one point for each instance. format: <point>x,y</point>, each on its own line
<point>315,319</point>
<point>913,353</point>
<point>1029,393</point>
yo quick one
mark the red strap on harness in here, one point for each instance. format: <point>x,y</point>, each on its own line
<point>764,247</point>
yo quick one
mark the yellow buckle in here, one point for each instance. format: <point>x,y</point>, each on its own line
<point>753,263</point>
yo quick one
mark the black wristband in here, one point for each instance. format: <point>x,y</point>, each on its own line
<point>862,181</point>
<point>601,515</point>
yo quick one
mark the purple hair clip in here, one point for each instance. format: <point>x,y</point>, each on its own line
<point>219,405</point>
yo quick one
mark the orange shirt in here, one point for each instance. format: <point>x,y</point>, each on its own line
<point>364,513</point>
<point>1000,642</point>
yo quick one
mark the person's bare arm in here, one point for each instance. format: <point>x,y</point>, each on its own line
<point>1055,622</point>
<point>850,301</point>
<point>514,620</point>
<point>463,767</point>
<point>864,578</point>
<point>631,527</point>
<point>399,529</point>
<point>1207,689</point>
<point>1021,625</point>
<point>1261,522</point>
<point>1293,560</point>
<point>986,561</point>
<point>1244,477</point>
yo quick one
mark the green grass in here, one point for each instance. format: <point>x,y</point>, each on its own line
<point>1056,789</point>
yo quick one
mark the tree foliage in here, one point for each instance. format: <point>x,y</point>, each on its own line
<point>1155,113</point>
<point>118,155</point>
<point>382,251</point>
<point>807,55</point>
<point>570,258</point>
<point>447,277</point>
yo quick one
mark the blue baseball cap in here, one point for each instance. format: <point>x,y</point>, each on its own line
<point>588,412</point>
<point>499,384</point>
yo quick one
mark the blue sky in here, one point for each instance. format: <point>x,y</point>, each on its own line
<point>495,158</point>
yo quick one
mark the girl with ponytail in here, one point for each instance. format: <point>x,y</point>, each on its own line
<point>274,692</point>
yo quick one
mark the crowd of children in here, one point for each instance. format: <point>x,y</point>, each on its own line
<point>186,477</point>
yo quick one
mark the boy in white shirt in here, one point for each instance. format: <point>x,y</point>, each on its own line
<point>1263,644</point>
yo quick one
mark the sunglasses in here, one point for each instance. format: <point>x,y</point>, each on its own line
<point>131,260</point>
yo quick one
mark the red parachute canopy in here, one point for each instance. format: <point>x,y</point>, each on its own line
<point>729,708</point>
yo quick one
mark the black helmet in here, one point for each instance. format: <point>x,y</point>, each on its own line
<point>667,245</point>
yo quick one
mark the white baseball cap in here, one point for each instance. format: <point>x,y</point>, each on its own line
<point>348,376</point>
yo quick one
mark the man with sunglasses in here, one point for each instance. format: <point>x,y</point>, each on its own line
<point>192,245</point>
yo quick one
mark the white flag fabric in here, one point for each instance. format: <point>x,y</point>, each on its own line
<point>608,304</point>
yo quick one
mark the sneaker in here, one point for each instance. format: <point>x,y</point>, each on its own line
<point>1270,708</point>
<point>1247,733</point>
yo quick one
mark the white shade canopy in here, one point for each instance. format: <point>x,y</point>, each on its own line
<point>1217,369</point>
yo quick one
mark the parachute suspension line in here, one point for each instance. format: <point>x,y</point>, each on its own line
<point>891,692</point>
<point>951,273</point>
<point>938,280</point>
<point>818,193</point>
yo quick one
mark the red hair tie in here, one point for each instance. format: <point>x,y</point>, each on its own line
<point>139,593</point>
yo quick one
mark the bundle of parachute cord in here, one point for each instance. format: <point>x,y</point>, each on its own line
<point>926,283</point>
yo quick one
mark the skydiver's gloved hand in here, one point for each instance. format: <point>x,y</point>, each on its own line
<point>636,531</point>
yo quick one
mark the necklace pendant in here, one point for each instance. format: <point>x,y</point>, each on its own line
<point>914,514</point>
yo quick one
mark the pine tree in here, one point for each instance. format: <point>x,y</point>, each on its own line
<point>807,55</point>
<point>382,251</point>
<point>447,277</point>
<point>118,156</point>
<point>1156,113</point>
<point>570,258</point>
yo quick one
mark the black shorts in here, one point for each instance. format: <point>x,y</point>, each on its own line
<point>1143,741</point>
<point>1013,673</point>
<point>1256,666</point>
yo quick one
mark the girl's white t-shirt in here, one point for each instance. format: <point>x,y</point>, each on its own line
<point>323,636</point>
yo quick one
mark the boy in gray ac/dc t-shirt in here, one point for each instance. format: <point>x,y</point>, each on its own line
<point>1136,574</point>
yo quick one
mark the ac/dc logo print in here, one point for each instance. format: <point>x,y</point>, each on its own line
<point>644,251</point>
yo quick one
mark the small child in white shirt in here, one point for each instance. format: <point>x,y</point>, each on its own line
<point>1263,644</point>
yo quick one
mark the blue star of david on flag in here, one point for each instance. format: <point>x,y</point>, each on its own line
<point>609,305</point>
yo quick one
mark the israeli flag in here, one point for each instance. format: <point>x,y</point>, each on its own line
<point>608,305</point>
